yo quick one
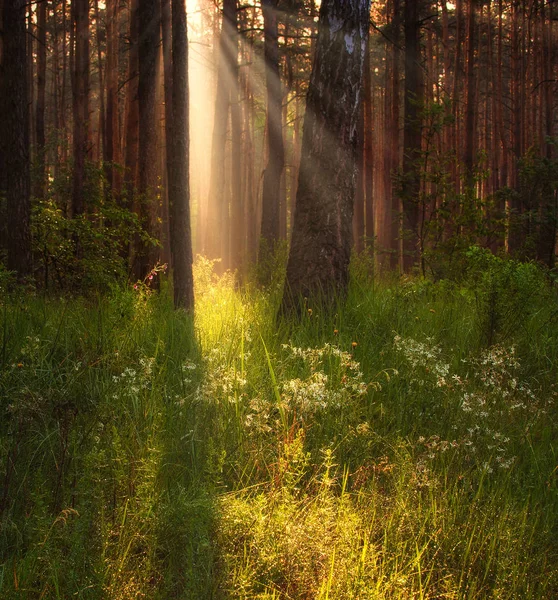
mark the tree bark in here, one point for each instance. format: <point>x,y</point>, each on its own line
<point>320,251</point>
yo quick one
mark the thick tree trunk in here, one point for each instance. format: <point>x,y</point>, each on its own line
<point>320,251</point>
<point>270,232</point>
<point>179,179</point>
<point>14,136</point>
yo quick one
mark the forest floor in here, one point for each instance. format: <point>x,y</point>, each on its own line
<point>403,447</point>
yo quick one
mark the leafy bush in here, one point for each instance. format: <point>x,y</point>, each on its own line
<point>504,290</point>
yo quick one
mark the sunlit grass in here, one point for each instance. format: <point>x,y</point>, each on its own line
<point>379,451</point>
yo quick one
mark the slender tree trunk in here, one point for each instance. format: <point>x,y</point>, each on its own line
<point>14,137</point>
<point>112,136</point>
<point>516,237</point>
<point>31,39</point>
<point>179,180</point>
<point>132,111</point>
<point>368,165</point>
<point>387,220</point>
<point>218,233</point>
<point>322,233</point>
<point>80,103</point>
<point>410,192</point>
<point>40,181</point>
<point>358,214</point>
<point>394,158</point>
<point>237,222</point>
<point>471,106</point>
<point>102,129</point>
<point>270,231</point>
<point>149,15</point>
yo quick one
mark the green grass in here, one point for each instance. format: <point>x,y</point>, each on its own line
<point>381,450</point>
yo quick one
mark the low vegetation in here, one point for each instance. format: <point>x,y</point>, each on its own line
<point>403,447</point>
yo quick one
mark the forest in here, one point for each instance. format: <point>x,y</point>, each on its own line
<point>278,299</point>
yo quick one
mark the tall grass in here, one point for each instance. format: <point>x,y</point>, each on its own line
<point>402,446</point>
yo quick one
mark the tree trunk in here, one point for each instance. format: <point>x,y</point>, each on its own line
<point>237,224</point>
<point>132,111</point>
<point>14,136</point>
<point>471,96</point>
<point>112,135</point>
<point>320,251</point>
<point>80,102</point>
<point>40,181</point>
<point>410,192</point>
<point>218,234</point>
<point>179,179</point>
<point>358,214</point>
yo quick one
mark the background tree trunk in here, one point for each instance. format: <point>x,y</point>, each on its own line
<point>270,231</point>
<point>40,174</point>
<point>149,15</point>
<point>80,102</point>
<point>410,192</point>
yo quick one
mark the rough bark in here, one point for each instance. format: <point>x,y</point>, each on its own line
<point>320,251</point>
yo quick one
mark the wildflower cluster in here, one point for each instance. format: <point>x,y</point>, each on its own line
<point>225,378</point>
<point>490,407</point>
<point>131,381</point>
<point>319,390</point>
<point>424,358</point>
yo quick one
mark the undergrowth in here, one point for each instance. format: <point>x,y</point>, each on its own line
<point>403,446</point>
